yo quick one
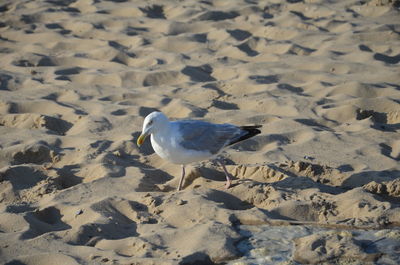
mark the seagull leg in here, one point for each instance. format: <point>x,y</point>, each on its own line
<point>228,180</point>
<point>182,177</point>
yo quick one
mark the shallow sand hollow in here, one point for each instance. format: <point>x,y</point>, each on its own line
<point>78,77</point>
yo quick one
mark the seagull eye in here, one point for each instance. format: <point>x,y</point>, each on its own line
<point>150,122</point>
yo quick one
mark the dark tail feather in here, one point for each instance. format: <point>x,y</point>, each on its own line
<point>251,131</point>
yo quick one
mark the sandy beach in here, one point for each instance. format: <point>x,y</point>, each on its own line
<point>77,78</point>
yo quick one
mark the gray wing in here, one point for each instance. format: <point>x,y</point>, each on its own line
<point>204,136</point>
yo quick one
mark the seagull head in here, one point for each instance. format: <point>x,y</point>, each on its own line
<point>151,124</point>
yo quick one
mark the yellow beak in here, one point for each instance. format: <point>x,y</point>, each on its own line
<point>141,139</point>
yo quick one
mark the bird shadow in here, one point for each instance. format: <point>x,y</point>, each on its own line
<point>212,174</point>
<point>153,178</point>
<point>145,149</point>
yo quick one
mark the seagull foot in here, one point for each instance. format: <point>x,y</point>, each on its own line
<point>228,184</point>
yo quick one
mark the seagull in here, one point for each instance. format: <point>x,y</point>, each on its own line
<point>187,141</point>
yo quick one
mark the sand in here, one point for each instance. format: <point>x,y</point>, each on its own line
<point>78,78</point>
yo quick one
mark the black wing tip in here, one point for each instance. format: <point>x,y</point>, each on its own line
<point>250,127</point>
<point>252,130</point>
